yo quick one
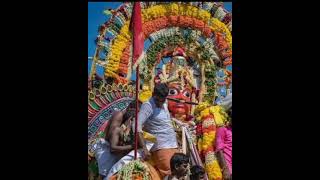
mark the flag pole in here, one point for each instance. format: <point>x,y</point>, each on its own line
<point>136,120</point>
<point>137,82</point>
<point>137,53</point>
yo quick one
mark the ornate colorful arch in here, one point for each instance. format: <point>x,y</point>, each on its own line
<point>156,18</point>
<point>114,41</point>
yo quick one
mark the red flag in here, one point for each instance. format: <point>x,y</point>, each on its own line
<point>137,55</point>
<point>138,38</point>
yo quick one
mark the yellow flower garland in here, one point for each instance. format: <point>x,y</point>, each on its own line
<point>191,11</point>
<point>154,12</point>
<point>219,26</point>
<point>220,116</point>
<point>212,167</point>
<point>206,143</point>
<point>116,50</point>
<point>200,108</point>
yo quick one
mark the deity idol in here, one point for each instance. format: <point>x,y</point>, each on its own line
<point>181,85</point>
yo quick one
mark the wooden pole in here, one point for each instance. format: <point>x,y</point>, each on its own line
<point>184,142</point>
<point>136,7</point>
<point>137,110</point>
<point>202,86</point>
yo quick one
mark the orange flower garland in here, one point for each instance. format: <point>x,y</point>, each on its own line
<point>178,21</point>
<point>158,17</point>
<point>160,23</point>
<point>206,129</point>
<point>162,10</point>
<point>225,52</point>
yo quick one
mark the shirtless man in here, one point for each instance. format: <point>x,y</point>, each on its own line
<point>117,141</point>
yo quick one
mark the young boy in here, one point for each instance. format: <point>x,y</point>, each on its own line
<point>197,173</point>
<point>179,165</point>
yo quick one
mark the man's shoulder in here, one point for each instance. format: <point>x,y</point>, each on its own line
<point>147,104</point>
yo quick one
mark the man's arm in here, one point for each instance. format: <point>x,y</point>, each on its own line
<point>144,113</point>
<point>115,135</point>
<point>221,160</point>
<point>116,116</point>
<point>146,152</point>
<point>223,164</point>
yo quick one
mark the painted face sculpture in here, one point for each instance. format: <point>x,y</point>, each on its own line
<point>179,110</point>
<point>177,75</point>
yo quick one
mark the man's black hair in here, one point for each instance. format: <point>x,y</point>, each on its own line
<point>161,90</point>
<point>129,112</point>
<point>177,159</point>
<point>196,171</point>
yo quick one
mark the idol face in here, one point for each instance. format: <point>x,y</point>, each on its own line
<point>181,93</point>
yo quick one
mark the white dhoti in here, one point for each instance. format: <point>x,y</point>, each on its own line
<point>126,159</point>
<point>104,157</point>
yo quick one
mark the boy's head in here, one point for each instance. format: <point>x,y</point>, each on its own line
<point>197,173</point>
<point>179,164</point>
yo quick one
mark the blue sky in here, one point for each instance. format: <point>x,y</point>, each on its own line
<point>96,18</point>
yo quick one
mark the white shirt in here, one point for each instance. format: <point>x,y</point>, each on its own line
<point>157,122</point>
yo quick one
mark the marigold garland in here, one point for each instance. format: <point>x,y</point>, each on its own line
<point>164,14</point>
<point>196,19</point>
<point>175,21</point>
<point>114,56</point>
<point>156,50</point>
<point>207,118</point>
<point>194,12</point>
<point>206,129</point>
<point>225,52</point>
<point>145,94</point>
<point>220,115</point>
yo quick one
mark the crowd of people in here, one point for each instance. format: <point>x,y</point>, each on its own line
<point>154,118</point>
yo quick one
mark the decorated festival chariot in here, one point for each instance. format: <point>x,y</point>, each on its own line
<point>188,45</point>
